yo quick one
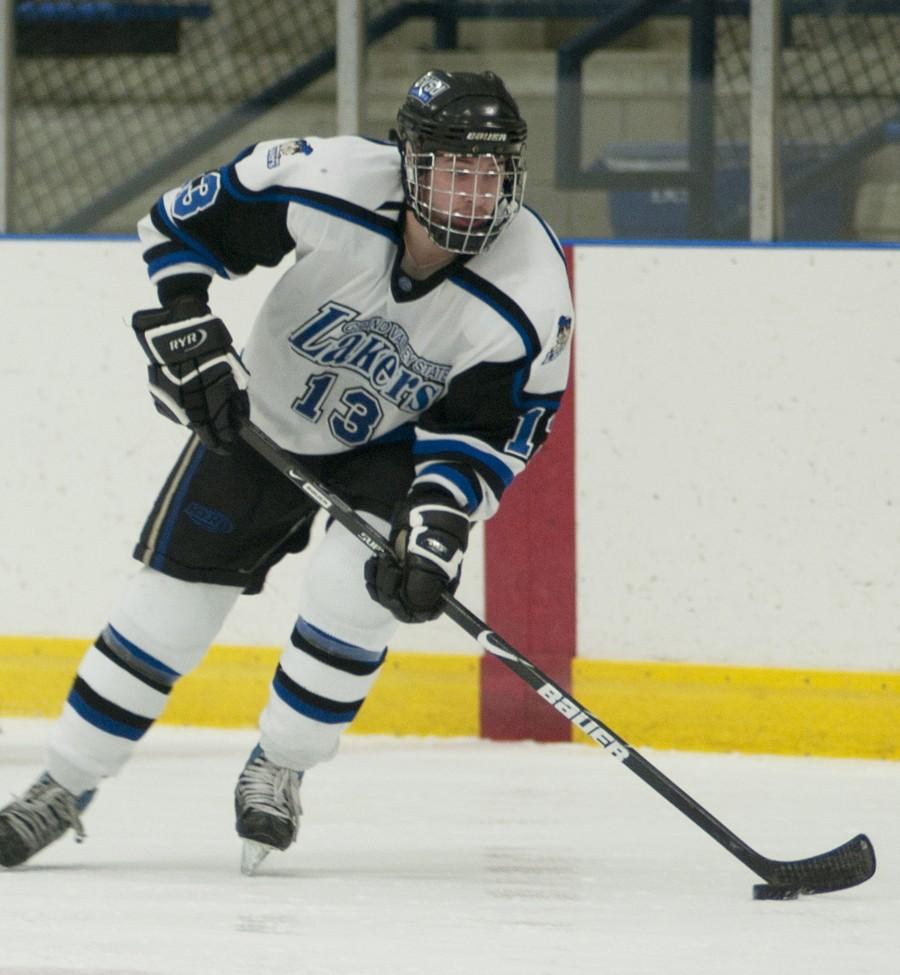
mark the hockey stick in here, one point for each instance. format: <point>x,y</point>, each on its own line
<point>845,866</point>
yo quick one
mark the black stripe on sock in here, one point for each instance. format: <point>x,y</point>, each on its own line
<point>105,707</point>
<point>346,709</point>
<point>130,665</point>
<point>359,668</point>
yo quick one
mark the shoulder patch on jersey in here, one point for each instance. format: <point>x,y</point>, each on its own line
<point>563,334</point>
<point>273,157</point>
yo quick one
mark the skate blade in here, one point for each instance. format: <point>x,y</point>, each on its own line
<point>252,855</point>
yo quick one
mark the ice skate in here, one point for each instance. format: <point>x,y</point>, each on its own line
<point>35,820</point>
<point>267,809</point>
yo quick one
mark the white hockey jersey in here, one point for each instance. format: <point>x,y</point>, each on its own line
<point>347,349</point>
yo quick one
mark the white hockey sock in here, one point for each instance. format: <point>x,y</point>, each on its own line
<point>332,659</point>
<point>160,631</point>
<point>319,686</point>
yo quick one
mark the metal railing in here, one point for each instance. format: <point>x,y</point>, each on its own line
<point>58,142</point>
<point>839,100</point>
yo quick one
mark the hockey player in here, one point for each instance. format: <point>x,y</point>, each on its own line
<point>413,355</point>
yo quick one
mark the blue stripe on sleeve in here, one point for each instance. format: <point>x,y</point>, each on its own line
<point>178,257</point>
<point>457,478</point>
<point>192,245</point>
<point>445,445</point>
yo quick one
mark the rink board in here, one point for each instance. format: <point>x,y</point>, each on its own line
<point>674,706</point>
<point>736,486</point>
<point>416,694</point>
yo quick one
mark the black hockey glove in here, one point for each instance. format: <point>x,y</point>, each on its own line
<point>429,535</point>
<point>196,377</point>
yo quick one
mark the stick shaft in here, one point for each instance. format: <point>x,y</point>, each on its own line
<point>546,688</point>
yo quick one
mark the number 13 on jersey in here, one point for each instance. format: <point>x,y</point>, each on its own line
<point>353,422</point>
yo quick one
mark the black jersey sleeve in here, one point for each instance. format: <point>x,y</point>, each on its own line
<point>477,438</point>
<point>206,228</point>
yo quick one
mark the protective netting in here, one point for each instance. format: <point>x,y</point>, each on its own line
<point>100,89</point>
<point>839,90</point>
<point>840,79</point>
<point>103,88</point>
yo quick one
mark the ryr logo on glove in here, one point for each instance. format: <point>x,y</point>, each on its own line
<point>190,340</point>
<point>196,376</point>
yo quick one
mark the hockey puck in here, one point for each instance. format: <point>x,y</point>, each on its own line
<point>767,892</point>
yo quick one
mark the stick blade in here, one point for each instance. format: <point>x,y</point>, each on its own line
<point>766,892</point>
<point>845,866</point>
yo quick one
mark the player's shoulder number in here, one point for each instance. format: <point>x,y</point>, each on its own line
<point>199,194</point>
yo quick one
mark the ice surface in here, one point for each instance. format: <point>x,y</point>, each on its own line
<point>450,858</point>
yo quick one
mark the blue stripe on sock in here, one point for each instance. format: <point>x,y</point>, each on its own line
<point>102,721</point>
<point>348,665</point>
<point>310,710</point>
<point>142,655</point>
<point>338,647</point>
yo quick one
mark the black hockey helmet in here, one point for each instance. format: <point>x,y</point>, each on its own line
<point>447,120</point>
<point>461,112</point>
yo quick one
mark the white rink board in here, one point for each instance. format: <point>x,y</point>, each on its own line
<point>738,413</point>
<point>84,452</point>
<point>737,465</point>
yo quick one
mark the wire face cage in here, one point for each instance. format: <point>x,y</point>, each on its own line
<point>464,201</point>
